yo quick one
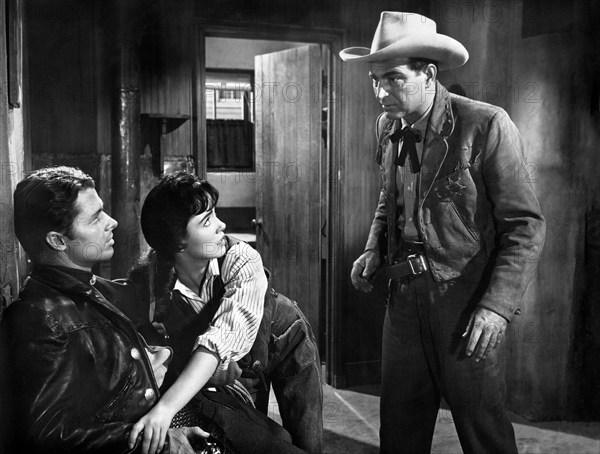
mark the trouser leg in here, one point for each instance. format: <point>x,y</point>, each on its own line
<point>475,391</point>
<point>247,430</point>
<point>300,402</point>
<point>294,370</point>
<point>409,393</point>
<point>481,420</point>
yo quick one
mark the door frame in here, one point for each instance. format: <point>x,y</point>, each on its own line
<point>334,39</point>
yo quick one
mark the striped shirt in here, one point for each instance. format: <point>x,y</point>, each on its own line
<point>235,324</point>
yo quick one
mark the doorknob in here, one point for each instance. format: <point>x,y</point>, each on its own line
<point>257,222</point>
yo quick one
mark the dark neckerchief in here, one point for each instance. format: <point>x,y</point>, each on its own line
<point>410,137</point>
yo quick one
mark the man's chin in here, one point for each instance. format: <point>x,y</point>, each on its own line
<point>393,115</point>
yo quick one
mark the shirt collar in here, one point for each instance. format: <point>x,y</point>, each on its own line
<point>211,270</point>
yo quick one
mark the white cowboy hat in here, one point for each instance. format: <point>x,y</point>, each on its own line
<point>409,35</point>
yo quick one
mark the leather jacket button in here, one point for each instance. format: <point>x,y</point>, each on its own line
<point>149,394</point>
<point>135,353</point>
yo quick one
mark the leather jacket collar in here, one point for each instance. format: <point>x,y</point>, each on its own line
<point>441,119</point>
<point>63,279</point>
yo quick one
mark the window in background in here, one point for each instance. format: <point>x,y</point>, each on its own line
<point>230,120</point>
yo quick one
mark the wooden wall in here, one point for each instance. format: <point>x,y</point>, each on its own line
<point>62,64</point>
<point>167,70</point>
<point>13,146</point>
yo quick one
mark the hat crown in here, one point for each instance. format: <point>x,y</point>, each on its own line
<point>394,26</point>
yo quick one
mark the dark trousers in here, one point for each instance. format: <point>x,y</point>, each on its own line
<point>293,369</point>
<point>424,360</point>
<point>245,429</point>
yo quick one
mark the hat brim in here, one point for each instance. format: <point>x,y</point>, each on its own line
<point>446,51</point>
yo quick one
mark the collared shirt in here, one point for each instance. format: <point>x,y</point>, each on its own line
<point>235,324</point>
<point>408,183</point>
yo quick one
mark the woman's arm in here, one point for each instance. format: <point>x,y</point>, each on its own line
<point>156,422</point>
<point>235,325</point>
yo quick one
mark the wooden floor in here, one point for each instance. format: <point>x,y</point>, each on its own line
<point>351,423</point>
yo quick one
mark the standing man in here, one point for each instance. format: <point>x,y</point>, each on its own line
<point>460,229</point>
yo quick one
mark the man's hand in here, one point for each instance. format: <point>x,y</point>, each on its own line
<point>487,331</point>
<point>221,378</point>
<point>363,270</point>
<point>180,439</point>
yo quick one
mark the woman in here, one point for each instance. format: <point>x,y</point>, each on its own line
<point>209,297</point>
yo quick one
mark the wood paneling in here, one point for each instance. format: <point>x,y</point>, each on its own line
<point>167,71</point>
<point>62,83</point>
<point>11,168</point>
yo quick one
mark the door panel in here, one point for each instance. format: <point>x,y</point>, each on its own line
<point>288,165</point>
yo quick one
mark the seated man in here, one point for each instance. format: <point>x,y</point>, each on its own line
<point>77,371</point>
<point>207,294</point>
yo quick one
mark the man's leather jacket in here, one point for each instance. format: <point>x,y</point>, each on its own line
<point>77,371</point>
<point>477,212</point>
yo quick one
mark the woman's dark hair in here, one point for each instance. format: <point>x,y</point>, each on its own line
<point>168,208</point>
<point>45,201</point>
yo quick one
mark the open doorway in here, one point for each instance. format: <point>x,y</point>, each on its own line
<point>264,122</point>
<point>230,124</point>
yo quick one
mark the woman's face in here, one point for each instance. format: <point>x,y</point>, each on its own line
<point>205,237</point>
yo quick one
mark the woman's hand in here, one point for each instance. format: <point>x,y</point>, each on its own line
<point>153,427</point>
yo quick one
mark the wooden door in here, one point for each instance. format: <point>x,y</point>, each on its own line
<point>288,164</point>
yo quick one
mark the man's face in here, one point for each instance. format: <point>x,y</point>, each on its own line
<point>205,238</point>
<point>91,239</point>
<point>402,92</point>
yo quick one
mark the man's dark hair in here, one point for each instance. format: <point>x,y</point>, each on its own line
<point>44,201</point>
<point>417,64</point>
<point>170,205</point>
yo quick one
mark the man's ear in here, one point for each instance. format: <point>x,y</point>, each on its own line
<point>56,241</point>
<point>430,72</point>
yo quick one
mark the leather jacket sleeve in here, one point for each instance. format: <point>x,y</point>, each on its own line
<point>44,373</point>
<point>376,240</point>
<point>520,226</point>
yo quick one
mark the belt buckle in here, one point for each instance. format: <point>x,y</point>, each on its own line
<point>421,265</point>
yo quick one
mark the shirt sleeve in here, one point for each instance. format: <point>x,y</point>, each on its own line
<point>235,325</point>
